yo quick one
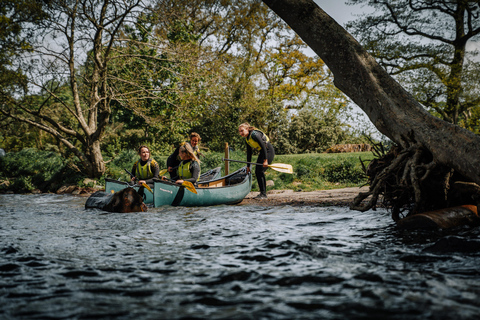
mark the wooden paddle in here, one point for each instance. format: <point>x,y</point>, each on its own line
<point>187,184</point>
<point>143,184</point>
<point>280,167</point>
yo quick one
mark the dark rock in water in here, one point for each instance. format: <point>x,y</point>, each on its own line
<point>454,244</point>
<point>126,200</point>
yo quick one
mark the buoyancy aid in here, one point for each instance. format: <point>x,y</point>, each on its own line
<point>144,172</point>
<point>183,170</point>
<point>254,144</point>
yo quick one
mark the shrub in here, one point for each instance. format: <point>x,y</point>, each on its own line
<point>344,171</point>
<point>23,184</point>
<point>210,161</point>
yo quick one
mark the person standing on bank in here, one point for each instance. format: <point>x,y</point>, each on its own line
<point>189,167</point>
<point>146,169</point>
<point>174,159</point>
<point>258,140</point>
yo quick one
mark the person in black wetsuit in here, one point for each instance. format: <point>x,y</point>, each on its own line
<point>258,140</point>
<point>174,159</point>
<point>145,169</point>
<point>189,167</point>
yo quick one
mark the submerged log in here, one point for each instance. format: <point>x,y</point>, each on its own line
<point>441,219</point>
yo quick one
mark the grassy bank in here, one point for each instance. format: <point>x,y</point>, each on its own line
<point>30,169</point>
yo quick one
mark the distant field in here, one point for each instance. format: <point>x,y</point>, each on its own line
<point>31,169</point>
<point>313,171</point>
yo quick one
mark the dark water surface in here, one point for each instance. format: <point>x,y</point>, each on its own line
<point>60,261</point>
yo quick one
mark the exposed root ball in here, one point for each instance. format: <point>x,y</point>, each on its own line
<point>409,181</point>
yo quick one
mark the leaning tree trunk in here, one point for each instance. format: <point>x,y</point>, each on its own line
<point>392,110</point>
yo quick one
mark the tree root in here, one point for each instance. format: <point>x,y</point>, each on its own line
<point>407,180</point>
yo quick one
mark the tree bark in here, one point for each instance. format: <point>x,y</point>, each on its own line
<point>392,110</point>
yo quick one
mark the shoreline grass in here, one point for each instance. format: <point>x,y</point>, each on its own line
<point>31,169</point>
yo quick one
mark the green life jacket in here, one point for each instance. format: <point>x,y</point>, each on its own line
<point>183,170</point>
<point>254,144</point>
<point>144,172</point>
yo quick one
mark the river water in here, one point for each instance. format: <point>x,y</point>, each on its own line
<point>60,261</point>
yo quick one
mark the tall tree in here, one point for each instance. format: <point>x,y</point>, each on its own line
<point>255,68</point>
<point>428,146</point>
<point>73,31</point>
<point>426,43</point>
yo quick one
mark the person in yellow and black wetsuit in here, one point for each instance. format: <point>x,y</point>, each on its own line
<point>174,159</point>
<point>189,167</point>
<point>145,169</point>
<point>258,140</point>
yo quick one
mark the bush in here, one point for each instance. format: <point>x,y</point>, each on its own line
<point>344,171</point>
<point>210,161</point>
<point>31,169</point>
<point>23,185</point>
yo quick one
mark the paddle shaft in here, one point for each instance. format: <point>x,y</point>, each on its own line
<point>131,174</point>
<point>280,167</point>
<point>258,164</point>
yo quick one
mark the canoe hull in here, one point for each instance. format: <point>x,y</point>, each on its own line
<point>166,193</point>
<point>230,189</point>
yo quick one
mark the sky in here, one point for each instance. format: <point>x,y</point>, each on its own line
<point>342,13</point>
<point>338,10</point>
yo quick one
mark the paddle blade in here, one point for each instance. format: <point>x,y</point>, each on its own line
<point>147,187</point>
<point>281,167</point>
<point>189,186</point>
<point>162,172</point>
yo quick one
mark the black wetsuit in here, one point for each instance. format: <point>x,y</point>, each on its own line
<point>266,152</point>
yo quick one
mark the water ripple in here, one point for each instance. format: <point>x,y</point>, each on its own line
<point>60,261</point>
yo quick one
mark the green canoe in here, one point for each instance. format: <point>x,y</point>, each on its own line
<point>229,189</point>
<point>112,186</point>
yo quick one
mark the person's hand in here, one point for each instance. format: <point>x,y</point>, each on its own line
<point>169,169</point>
<point>164,178</point>
<point>141,182</point>
<point>132,179</point>
<point>179,181</point>
<point>248,169</point>
<point>265,163</point>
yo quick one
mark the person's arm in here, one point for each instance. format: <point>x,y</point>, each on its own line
<point>249,153</point>
<point>195,170</point>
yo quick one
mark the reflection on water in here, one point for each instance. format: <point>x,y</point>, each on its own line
<point>59,261</point>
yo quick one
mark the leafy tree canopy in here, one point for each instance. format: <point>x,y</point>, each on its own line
<point>429,46</point>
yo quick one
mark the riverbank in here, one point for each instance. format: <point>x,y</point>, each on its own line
<point>333,197</point>
<point>342,197</point>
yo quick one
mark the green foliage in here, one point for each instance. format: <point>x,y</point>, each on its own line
<point>315,171</point>
<point>23,185</point>
<point>185,65</point>
<point>307,132</point>
<point>422,45</point>
<point>344,171</point>
<point>33,169</point>
<point>211,160</point>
